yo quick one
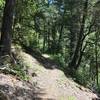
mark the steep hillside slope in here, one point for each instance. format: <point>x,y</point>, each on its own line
<point>43,84</point>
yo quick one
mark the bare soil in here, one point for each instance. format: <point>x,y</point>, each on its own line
<point>43,84</point>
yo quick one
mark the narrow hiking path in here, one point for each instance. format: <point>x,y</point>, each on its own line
<point>44,84</point>
<point>54,84</point>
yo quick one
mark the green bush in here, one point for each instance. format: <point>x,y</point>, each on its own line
<point>20,71</point>
<point>60,60</point>
<point>83,77</point>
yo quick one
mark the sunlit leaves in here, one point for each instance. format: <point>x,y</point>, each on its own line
<point>1,3</point>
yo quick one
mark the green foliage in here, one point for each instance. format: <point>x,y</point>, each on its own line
<point>83,77</point>
<point>97,88</point>
<point>20,72</point>
<point>60,60</point>
<point>18,69</point>
<point>55,28</point>
<point>68,98</point>
<point>1,3</point>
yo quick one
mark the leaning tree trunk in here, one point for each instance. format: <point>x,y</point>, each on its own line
<point>7,21</point>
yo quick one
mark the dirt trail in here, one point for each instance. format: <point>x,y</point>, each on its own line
<point>55,84</point>
<point>44,84</point>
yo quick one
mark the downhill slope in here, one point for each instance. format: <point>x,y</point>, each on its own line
<point>44,84</point>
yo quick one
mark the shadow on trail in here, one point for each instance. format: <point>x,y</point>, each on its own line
<point>46,62</point>
<point>20,93</point>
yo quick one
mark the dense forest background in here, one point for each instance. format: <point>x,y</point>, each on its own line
<point>67,30</point>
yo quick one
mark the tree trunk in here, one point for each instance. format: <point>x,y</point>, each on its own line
<point>76,55</point>
<point>96,58</point>
<point>7,21</point>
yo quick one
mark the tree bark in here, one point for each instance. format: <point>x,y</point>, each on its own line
<point>96,58</point>
<point>7,21</point>
<point>76,55</point>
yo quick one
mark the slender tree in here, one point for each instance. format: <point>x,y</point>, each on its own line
<point>77,53</point>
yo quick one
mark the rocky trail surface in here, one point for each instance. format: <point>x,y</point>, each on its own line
<point>43,84</point>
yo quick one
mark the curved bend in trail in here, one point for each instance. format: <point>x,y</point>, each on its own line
<point>44,84</point>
